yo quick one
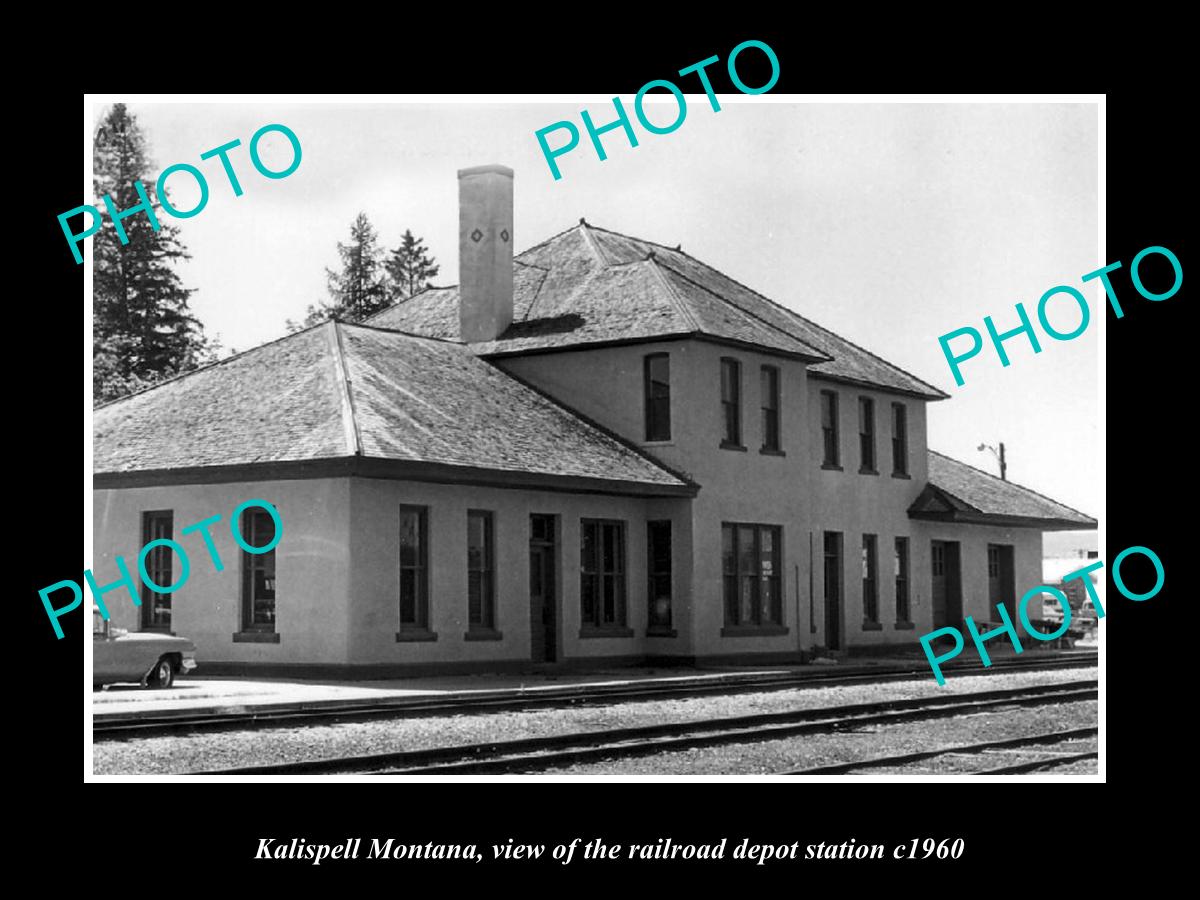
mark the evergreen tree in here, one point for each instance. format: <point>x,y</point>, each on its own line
<point>359,289</point>
<point>143,330</point>
<point>409,268</point>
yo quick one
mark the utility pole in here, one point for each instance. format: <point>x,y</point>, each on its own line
<point>1000,456</point>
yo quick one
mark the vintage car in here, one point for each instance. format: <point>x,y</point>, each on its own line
<point>149,658</point>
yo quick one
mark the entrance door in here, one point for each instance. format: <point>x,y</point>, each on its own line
<point>946,569</point>
<point>1001,580</point>
<point>833,590</point>
<point>543,606</point>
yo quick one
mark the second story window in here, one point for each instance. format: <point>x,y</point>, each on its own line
<point>770,408</point>
<point>658,397</point>
<point>731,402</point>
<point>866,434</point>
<point>829,427</point>
<point>899,439</point>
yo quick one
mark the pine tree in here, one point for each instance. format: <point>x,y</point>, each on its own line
<point>143,329</point>
<point>359,289</point>
<point>409,268</point>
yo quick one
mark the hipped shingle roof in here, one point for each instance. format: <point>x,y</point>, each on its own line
<point>340,391</point>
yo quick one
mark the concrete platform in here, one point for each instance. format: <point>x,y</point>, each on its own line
<point>225,695</point>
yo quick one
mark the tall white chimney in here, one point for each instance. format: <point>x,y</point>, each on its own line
<point>485,256</point>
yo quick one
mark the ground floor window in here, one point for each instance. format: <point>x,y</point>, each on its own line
<point>258,571</point>
<point>481,571</point>
<point>602,573</point>
<point>870,579</point>
<point>753,571</point>
<point>156,607</point>
<point>414,568</point>
<point>659,567</point>
<point>901,572</point>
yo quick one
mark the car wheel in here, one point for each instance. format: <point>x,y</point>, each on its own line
<point>163,674</point>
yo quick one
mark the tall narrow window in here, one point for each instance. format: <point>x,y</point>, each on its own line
<point>866,433</point>
<point>901,572</point>
<point>659,568</point>
<point>414,568</point>
<point>899,439</point>
<point>602,573</point>
<point>770,408</point>
<point>156,607</point>
<point>658,397</point>
<point>753,574</point>
<point>829,426</point>
<point>258,572</point>
<point>870,579</point>
<point>731,402</point>
<point>481,571</point>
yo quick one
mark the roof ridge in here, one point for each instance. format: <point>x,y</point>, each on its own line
<point>672,293</point>
<point>746,312</point>
<point>401,331</point>
<point>591,242</point>
<point>350,427</point>
<point>212,365</point>
<point>1011,483</point>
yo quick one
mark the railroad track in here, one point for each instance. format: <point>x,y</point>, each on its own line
<point>542,753</point>
<point>907,759</point>
<point>107,728</point>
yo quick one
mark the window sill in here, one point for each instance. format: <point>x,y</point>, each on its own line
<point>483,634</point>
<point>903,475</point>
<point>667,443</point>
<point>157,629</point>
<point>868,471</point>
<point>256,637</point>
<point>661,632</point>
<point>872,626</point>
<point>753,630</point>
<point>832,467</point>
<point>618,631</point>
<point>725,445</point>
<point>415,635</point>
<point>771,451</point>
<point>904,626</point>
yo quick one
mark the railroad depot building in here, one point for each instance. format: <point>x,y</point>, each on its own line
<point>598,450</point>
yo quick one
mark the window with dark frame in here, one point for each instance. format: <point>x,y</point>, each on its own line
<point>481,571</point>
<point>870,578</point>
<point>901,572</point>
<point>731,402</point>
<point>769,383</point>
<point>866,433</point>
<point>752,574</point>
<point>993,556</point>
<point>657,376</point>
<point>156,607</point>
<point>829,426</point>
<point>258,572</point>
<point>602,573</point>
<point>659,567</point>
<point>899,439</point>
<point>414,568</point>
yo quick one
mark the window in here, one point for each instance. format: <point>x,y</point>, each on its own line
<point>731,402</point>
<point>659,567</point>
<point>993,551</point>
<point>770,407</point>
<point>901,572</point>
<point>156,607</point>
<point>602,573</point>
<point>753,573</point>
<point>481,571</point>
<point>258,572</point>
<point>870,579</point>
<point>829,427</point>
<point>899,439</point>
<point>414,568</point>
<point>658,397</point>
<point>866,433</point>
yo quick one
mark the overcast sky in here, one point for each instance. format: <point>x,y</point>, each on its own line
<point>890,224</point>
